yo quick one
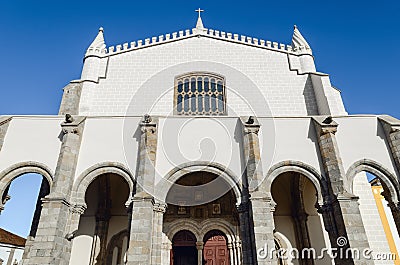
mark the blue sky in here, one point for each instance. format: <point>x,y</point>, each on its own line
<point>43,43</point>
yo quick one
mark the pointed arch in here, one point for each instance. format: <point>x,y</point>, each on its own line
<point>295,166</point>
<point>378,170</point>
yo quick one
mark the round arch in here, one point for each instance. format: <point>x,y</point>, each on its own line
<point>179,225</point>
<point>295,166</point>
<point>175,174</point>
<point>378,170</point>
<point>14,171</point>
<point>88,176</point>
<point>284,243</point>
<point>220,225</point>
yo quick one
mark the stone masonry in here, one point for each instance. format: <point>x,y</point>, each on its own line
<point>340,206</point>
<point>50,245</point>
<point>262,206</point>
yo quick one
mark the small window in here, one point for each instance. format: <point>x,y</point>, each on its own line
<point>200,94</point>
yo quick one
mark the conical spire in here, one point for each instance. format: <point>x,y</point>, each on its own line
<point>98,45</point>
<point>199,25</point>
<point>299,43</point>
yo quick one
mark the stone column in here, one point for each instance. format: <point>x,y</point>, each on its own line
<point>231,254</point>
<point>260,210</point>
<point>340,207</point>
<point>141,230</point>
<point>71,97</point>
<point>199,246</point>
<point>140,251</point>
<point>50,245</point>
<point>147,155</point>
<point>391,127</point>
<point>4,123</point>
<point>159,210</point>
<point>244,227</point>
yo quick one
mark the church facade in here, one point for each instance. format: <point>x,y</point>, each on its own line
<point>204,147</point>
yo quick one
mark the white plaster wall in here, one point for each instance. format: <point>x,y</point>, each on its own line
<point>370,217</point>
<point>285,92</point>
<point>361,137</point>
<point>109,140</point>
<point>32,139</point>
<point>182,140</point>
<point>5,253</point>
<point>82,243</point>
<point>285,139</point>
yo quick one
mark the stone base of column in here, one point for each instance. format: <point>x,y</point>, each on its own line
<point>262,208</point>
<point>50,247</point>
<point>351,232</point>
<point>141,231</point>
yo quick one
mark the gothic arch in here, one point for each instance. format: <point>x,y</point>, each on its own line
<point>378,170</point>
<point>199,166</point>
<point>89,175</point>
<point>295,166</point>
<point>14,171</point>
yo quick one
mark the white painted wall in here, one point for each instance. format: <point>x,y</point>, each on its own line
<point>109,140</point>
<point>145,76</point>
<point>5,253</point>
<point>370,217</point>
<point>181,140</point>
<point>283,139</point>
<point>31,138</point>
<point>362,137</point>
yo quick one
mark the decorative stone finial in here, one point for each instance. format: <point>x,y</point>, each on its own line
<point>147,118</point>
<point>299,43</point>
<point>250,120</point>
<point>68,118</point>
<point>328,120</point>
<point>98,46</point>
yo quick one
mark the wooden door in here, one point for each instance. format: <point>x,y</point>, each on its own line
<point>216,251</point>
<point>184,250</point>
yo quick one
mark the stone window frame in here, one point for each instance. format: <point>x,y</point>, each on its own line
<point>183,91</point>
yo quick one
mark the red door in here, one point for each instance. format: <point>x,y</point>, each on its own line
<point>216,250</point>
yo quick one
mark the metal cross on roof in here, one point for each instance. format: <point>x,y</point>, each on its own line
<point>199,11</point>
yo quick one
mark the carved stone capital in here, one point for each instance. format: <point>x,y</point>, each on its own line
<point>324,125</point>
<point>250,124</point>
<point>159,207</point>
<point>78,209</point>
<point>148,124</point>
<point>199,245</point>
<point>72,124</point>
<point>242,207</point>
<point>55,199</point>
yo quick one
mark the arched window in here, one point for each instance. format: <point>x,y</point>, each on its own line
<point>200,94</point>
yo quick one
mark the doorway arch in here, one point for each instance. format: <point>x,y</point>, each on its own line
<point>184,251</point>
<point>215,249</point>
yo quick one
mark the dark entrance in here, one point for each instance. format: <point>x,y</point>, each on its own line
<point>184,250</point>
<point>215,248</point>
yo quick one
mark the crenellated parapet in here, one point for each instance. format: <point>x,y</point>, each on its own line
<point>101,51</point>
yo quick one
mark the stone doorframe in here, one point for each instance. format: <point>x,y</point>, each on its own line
<point>200,229</point>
